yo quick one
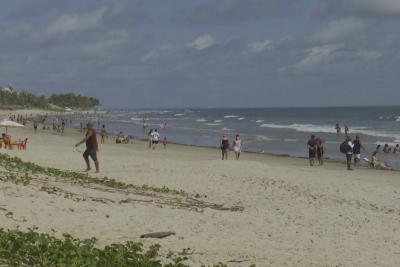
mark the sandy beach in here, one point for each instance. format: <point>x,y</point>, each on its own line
<point>266,210</point>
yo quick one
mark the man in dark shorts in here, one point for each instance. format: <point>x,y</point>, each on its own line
<point>312,149</point>
<point>91,147</point>
<point>349,152</point>
<point>357,150</point>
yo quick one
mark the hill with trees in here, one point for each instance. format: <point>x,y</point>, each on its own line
<point>11,98</point>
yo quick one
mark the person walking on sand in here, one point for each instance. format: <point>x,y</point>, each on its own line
<point>91,147</point>
<point>320,151</point>
<point>35,126</point>
<point>237,146</point>
<point>349,152</point>
<point>150,138</point>
<point>103,134</point>
<point>165,142</point>
<point>155,136</point>
<point>224,144</point>
<point>357,150</point>
<point>312,149</point>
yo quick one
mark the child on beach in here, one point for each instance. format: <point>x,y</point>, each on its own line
<point>165,142</point>
<point>103,134</point>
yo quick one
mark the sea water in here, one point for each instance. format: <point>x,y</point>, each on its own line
<point>281,131</point>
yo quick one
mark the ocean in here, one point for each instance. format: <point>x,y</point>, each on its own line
<point>280,131</point>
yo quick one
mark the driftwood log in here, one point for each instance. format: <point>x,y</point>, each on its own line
<point>157,235</point>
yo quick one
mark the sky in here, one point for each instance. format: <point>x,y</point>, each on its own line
<point>205,53</point>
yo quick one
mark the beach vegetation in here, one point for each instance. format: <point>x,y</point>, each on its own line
<point>74,101</point>
<point>24,99</point>
<point>31,248</point>
<point>30,100</point>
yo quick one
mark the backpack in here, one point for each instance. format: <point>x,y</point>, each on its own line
<point>343,147</point>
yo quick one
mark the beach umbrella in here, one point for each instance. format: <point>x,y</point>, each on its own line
<point>10,124</point>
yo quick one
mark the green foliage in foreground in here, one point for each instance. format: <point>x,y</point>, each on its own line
<point>30,248</point>
<point>16,164</point>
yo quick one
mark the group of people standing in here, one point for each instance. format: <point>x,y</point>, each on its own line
<point>316,149</point>
<point>236,146</point>
<point>351,148</point>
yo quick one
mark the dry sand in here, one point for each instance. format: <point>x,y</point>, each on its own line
<point>294,215</point>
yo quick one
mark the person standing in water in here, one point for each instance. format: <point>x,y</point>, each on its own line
<point>91,147</point>
<point>224,146</point>
<point>338,129</point>
<point>237,146</point>
<point>346,130</point>
<point>144,125</point>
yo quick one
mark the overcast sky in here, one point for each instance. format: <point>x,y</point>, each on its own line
<point>202,53</point>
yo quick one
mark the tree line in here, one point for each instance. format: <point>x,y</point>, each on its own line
<point>25,99</point>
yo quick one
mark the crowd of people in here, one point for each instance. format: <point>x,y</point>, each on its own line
<point>352,149</point>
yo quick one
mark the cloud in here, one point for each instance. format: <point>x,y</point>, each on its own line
<point>203,42</point>
<point>316,57</point>
<point>339,30</point>
<point>233,12</point>
<point>379,8</point>
<point>86,21</point>
<point>260,46</point>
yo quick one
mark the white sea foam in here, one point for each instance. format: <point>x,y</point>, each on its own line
<point>242,118</point>
<point>264,138</point>
<point>201,120</point>
<point>179,115</point>
<point>398,118</point>
<point>227,129</point>
<point>217,121</point>
<point>311,128</point>
<point>213,124</point>
<point>136,119</point>
<point>260,121</point>
<point>230,116</point>
<point>290,140</point>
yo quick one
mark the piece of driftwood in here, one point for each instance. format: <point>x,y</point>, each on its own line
<point>157,235</point>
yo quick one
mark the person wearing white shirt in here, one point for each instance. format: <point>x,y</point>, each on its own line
<point>349,153</point>
<point>155,137</point>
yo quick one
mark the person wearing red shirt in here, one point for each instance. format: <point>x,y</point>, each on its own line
<point>91,147</point>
